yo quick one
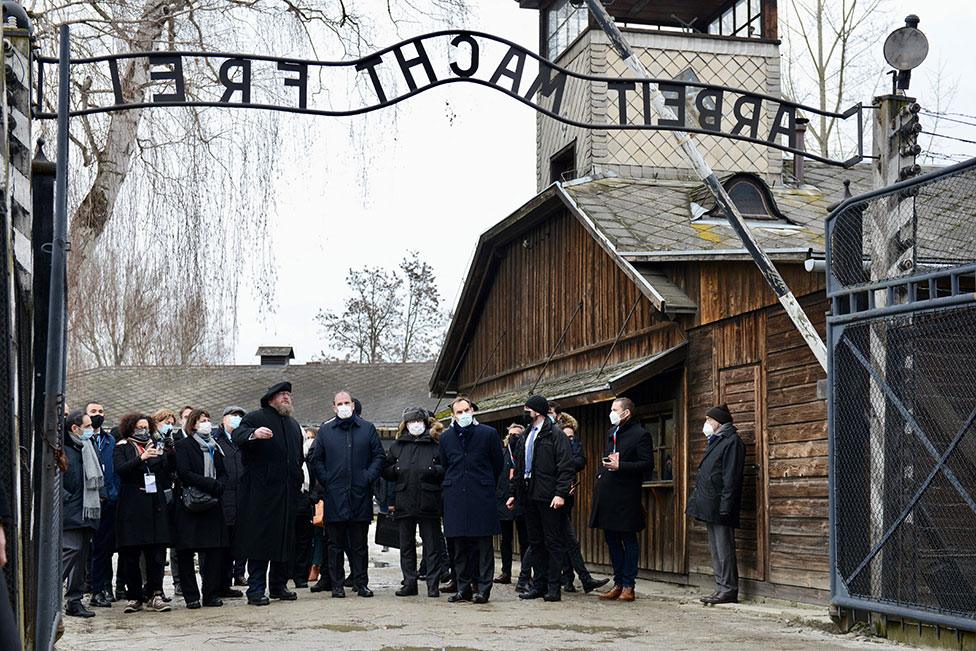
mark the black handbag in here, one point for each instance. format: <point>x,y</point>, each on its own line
<point>197,501</point>
<point>387,532</point>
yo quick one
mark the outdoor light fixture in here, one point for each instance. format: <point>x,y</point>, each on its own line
<point>905,49</point>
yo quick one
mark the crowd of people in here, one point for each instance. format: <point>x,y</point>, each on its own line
<point>253,500</point>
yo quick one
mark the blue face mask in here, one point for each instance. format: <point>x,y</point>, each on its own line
<point>235,422</point>
<point>465,419</point>
<point>165,429</point>
<point>87,433</point>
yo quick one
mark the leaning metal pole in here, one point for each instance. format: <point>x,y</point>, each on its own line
<point>49,548</point>
<point>705,173</point>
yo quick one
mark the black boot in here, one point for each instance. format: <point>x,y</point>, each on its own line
<point>324,584</point>
<point>408,590</point>
<point>590,584</point>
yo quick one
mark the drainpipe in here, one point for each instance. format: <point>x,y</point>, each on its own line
<point>801,130</point>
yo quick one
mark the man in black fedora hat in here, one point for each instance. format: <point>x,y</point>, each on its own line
<point>717,498</point>
<point>270,440</point>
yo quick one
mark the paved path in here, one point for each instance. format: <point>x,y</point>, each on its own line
<point>663,617</point>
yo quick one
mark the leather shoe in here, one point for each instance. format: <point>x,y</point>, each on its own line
<point>569,587</point>
<point>230,593</point>
<point>433,592</point>
<point>591,584</point>
<point>212,603</point>
<point>480,598</point>
<point>521,587</point>
<point>459,596</point>
<point>503,578</point>
<point>240,581</point>
<point>450,588</point>
<point>363,591</point>
<point>707,599</point>
<point>284,594</point>
<point>613,594</point>
<point>322,585</point>
<point>627,594</point>
<point>534,593</point>
<point>552,595</point>
<point>193,605</point>
<point>99,600</point>
<point>409,590</point>
<point>77,609</point>
<point>258,601</point>
<point>729,597</point>
<point>339,593</point>
<point>301,585</point>
<point>348,582</point>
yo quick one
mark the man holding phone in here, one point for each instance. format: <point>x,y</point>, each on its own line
<point>617,507</point>
<point>544,476</point>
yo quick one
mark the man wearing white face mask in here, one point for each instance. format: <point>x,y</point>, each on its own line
<point>347,458</point>
<point>618,497</point>
<point>233,571</point>
<point>717,498</point>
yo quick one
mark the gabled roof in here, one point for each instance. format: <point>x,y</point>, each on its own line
<point>276,351</point>
<point>384,389</point>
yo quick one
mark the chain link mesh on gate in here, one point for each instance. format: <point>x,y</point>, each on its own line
<point>902,332</point>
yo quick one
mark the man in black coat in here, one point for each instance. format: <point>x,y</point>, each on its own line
<point>543,478</point>
<point>271,452</point>
<point>471,454</point>
<point>617,499</point>
<point>717,499</point>
<point>347,458</point>
<point>233,567</point>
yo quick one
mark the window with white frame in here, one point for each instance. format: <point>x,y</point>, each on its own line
<point>564,22</point>
<point>742,18</point>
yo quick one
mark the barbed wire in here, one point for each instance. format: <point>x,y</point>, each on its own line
<point>941,116</point>
<point>942,135</point>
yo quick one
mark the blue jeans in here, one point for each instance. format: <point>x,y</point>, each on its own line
<point>623,555</point>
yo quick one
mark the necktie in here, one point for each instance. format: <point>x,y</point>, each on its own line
<point>529,452</point>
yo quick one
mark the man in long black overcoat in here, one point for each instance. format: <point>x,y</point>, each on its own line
<point>270,440</point>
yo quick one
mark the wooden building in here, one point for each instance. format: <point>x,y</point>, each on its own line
<point>620,278</point>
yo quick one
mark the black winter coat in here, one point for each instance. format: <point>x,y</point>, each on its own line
<point>73,490</point>
<point>269,488</point>
<point>717,496</point>
<point>472,459</point>
<point>347,458</point>
<point>235,469</point>
<point>205,529</point>
<point>618,496</point>
<point>504,489</point>
<point>413,464</point>
<point>552,466</point>
<point>579,464</point>
<point>142,518</point>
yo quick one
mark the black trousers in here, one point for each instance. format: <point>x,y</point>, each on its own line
<point>258,578</point>
<point>9,634</point>
<point>429,531</point>
<point>303,547</point>
<point>474,560</point>
<point>574,556</point>
<point>230,566</point>
<point>348,539</point>
<point>546,532</point>
<point>211,572</point>
<point>102,548</point>
<point>129,559</point>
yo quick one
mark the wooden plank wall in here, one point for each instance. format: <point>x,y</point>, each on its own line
<point>540,280</point>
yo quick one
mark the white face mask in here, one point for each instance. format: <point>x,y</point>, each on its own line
<point>465,419</point>
<point>708,430</point>
<point>204,429</point>
<point>344,411</point>
<point>416,428</point>
<point>614,418</point>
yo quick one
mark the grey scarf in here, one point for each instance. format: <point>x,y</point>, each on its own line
<point>94,480</point>
<point>209,447</point>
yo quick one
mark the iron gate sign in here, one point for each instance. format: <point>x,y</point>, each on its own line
<point>418,64</point>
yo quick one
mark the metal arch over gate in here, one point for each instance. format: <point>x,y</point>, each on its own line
<point>901,278</point>
<point>415,65</point>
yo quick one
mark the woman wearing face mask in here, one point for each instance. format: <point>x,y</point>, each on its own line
<point>165,420</point>
<point>142,529</point>
<point>413,464</point>
<point>83,489</point>
<point>200,529</point>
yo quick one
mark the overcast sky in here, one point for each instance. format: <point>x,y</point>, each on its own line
<point>450,163</point>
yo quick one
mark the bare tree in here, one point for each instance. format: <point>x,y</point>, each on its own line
<point>832,48</point>
<point>198,182</point>
<point>423,321</point>
<point>365,331</point>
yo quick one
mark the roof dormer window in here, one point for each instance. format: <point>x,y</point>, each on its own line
<point>749,194</point>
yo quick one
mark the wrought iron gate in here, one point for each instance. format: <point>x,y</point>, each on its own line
<point>901,277</point>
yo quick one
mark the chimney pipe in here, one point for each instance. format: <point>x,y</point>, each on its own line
<point>801,130</point>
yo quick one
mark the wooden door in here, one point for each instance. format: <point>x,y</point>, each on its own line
<point>740,388</point>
